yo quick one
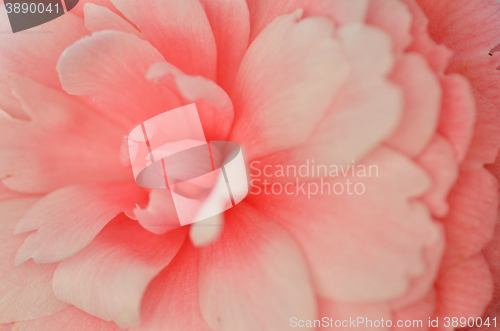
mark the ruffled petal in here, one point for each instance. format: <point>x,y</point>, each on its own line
<point>68,219</point>
<point>214,106</point>
<point>422,101</point>
<point>160,215</point>
<point>111,67</point>
<point>293,65</point>
<point>439,160</point>
<point>119,264</point>
<point>437,55</point>
<point>473,213</point>
<point>178,29</point>
<point>342,12</point>
<point>394,18</point>
<point>64,143</point>
<point>16,302</point>
<point>458,110</point>
<point>254,277</point>
<point>450,24</point>
<point>28,54</point>
<point>347,264</point>
<point>365,111</point>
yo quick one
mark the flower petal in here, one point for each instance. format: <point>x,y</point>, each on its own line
<point>485,144</point>
<point>171,300</point>
<point>98,18</point>
<point>231,43</point>
<point>68,219</point>
<point>28,54</point>
<point>439,159</point>
<point>473,212</point>
<point>70,318</point>
<point>78,10</point>
<point>160,216</point>
<point>347,264</point>
<point>342,12</point>
<point>345,311</point>
<point>437,55</point>
<point>178,29</point>
<point>206,231</point>
<point>16,302</point>
<point>115,76</point>
<point>450,24</point>
<point>215,108</point>
<point>394,18</point>
<point>422,101</point>
<point>6,327</point>
<point>275,85</point>
<point>456,121</point>
<point>263,12</point>
<point>64,143</point>
<point>464,288</point>
<point>251,270</point>
<point>119,264</point>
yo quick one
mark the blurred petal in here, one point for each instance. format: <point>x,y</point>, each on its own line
<point>206,231</point>
<point>345,311</point>
<point>6,327</point>
<point>464,287</point>
<point>171,300</point>
<point>437,55</point>
<point>342,12</point>
<point>356,266</point>
<point>458,110</point>
<point>450,23</point>
<point>28,54</point>
<point>364,112</point>
<point>473,213</point>
<point>25,291</point>
<point>394,18</point>
<point>439,160</point>
<point>70,318</point>
<point>119,264</point>
<point>64,143</point>
<point>254,277</point>
<point>68,219</point>
<point>422,101</point>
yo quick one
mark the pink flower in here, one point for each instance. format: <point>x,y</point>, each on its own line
<point>406,87</point>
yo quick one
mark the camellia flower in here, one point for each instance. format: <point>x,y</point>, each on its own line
<point>408,87</point>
